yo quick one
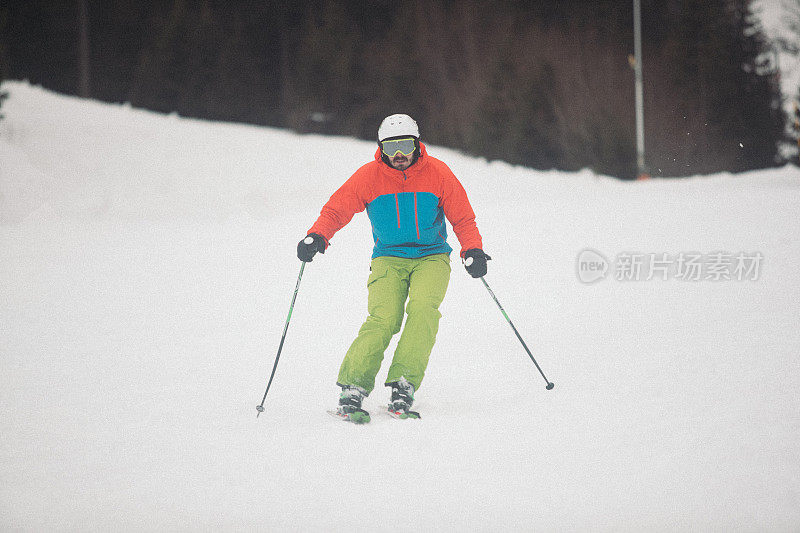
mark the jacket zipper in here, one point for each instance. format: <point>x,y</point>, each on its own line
<point>397,206</point>
<point>397,200</point>
<point>416,217</point>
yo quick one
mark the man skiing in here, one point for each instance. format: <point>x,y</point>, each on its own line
<point>407,195</point>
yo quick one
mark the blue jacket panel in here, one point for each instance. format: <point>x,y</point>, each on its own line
<point>408,224</point>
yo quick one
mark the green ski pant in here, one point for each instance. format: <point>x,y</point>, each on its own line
<point>423,282</point>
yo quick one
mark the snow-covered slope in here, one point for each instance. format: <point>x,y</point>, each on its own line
<point>146,268</point>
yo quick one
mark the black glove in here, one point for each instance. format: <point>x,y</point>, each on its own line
<point>308,247</point>
<point>475,262</point>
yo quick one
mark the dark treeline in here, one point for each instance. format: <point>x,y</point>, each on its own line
<point>545,84</point>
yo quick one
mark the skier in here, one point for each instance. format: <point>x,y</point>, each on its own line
<point>407,194</point>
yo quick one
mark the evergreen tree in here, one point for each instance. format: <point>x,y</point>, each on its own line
<point>544,84</point>
<point>726,113</point>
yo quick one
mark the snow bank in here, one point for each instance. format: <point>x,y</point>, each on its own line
<point>146,267</point>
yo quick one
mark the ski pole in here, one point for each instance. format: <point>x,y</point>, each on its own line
<point>550,384</point>
<point>260,408</point>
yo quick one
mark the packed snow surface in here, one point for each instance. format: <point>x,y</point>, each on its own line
<point>147,263</point>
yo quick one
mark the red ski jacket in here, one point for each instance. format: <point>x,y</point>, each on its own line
<point>406,208</point>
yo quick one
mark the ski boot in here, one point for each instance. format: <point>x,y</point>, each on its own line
<point>350,405</point>
<point>402,399</point>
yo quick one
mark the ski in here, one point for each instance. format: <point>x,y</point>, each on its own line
<point>404,415</point>
<point>357,417</point>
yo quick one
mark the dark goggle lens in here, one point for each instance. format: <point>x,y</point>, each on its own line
<point>404,146</point>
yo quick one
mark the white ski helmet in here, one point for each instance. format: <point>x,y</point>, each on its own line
<point>397,125</point>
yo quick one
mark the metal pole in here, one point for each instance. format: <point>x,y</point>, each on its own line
<point>83,50</point>
<point>637,46</point>
<point>550,384</point>
<point>260,408</point>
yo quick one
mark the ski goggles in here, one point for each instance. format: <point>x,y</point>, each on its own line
<point>403,146</point>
